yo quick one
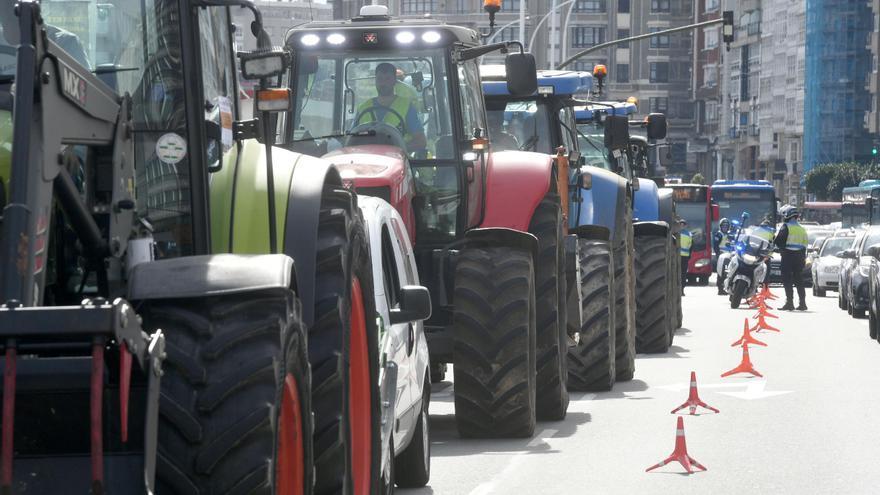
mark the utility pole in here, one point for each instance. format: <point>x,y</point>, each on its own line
<point>727,32</point>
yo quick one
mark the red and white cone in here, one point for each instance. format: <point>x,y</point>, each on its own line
<point>763,325</point>
<point>693,400</point>
<point>680,453</point>
<point>747,338</point>
<point>765,292</point>
<point>745,366</point>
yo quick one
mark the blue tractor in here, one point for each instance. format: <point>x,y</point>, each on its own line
<point>656,262</point>
<point>598,201</point>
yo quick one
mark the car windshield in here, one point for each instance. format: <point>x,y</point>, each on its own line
<point>519,125</point>
<point>835,245</point>
<point>733,203</point>
<point>695,214</point>
<point>337,92</point>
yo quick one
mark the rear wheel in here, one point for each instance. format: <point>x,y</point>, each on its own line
<point>494,343</point>
<point>343,351</point>
<point>624,307</point>
<point>413,465</point>
<point>235,395</point>
<point>653,298</point>
<point>818,292</point>
<point>737,292</point>
<point>591,362</point>
<point>552,339</point>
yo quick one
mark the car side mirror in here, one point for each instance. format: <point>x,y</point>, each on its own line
<point>415,305</point>
<point>847,254</point>
<point>656,126</point>
<point>522,77</point>
<point>874,251</point>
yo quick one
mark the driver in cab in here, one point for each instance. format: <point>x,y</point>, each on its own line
<point>397,111</point>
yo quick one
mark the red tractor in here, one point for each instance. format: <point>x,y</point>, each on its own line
<point>397,106</point>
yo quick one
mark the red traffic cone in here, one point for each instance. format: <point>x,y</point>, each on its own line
<point>763,309</point>
<point>745,366</point>
<point>766,292</point>
<point>747,338</point>
<point>763,325</point>
<point>694,398</point>
<point>680,453</point>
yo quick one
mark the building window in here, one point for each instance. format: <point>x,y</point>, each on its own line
<point>661,41</point>
<point>510,6</point>
<point>622,73</point>
<point>789,111</point>
<point>621,34</point>
<point>711,111</point>
<point>710,38</point>
<point>793,151</point>
<point>623,6</point>
<point>594,6</point>
<point>710,75</point>
<point>510,33</point>
<point>712,5</point>
<point>587,65</point>
<point>418,6</point>
<point>659,5</point>
<point>585,36</point>
<point>659,72</point>
<point>791,68</point>
<point>658,104</point>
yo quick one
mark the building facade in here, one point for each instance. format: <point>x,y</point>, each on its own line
<point>707,95</point>
<point>278,18</point>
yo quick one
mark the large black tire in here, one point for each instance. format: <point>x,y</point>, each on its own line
<point>342,259</point>
<point>494,343</point>
<point>624,309</point>
<point>736,293</point>
<point>653,298</point>
<point>551,337</point>
<point>222,393</point>
<point>591,362</point>
<point>413,465</point>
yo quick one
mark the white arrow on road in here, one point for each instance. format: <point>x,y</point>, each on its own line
<point>753,389</point>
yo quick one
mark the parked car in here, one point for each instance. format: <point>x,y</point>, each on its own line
<point>847,257</point>
<point>401,304</point>
<point>874,293</point>
<point>826,264</point>
<point>857,265</point>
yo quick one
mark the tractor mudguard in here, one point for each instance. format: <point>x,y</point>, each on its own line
<point>210,275</point>
<point>501,237</point>
<point>239,222</point>
<point>593,232</point>
<point>658,228</point>
<point>516,181</point>
<point>646,206</point>
<point>666,205</point>
<point>601,205</point>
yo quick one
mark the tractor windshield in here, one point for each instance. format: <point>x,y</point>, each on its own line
<point>519,125</point>
<point>395,97</point>
<point>591,139</point>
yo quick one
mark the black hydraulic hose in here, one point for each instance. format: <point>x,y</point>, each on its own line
<point>83,224</point>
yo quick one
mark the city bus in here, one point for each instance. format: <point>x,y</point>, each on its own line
<point>860,203</point>
<point>757,198</point>
<point>692,203</point>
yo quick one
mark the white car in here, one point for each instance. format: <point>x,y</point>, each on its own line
<point>401,305</point>
<point>826,264</point>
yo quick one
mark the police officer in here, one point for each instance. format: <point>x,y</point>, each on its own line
<point>792,242</point>
<point>390,108</point>
<point>721,243</point>
<point>686,240</point>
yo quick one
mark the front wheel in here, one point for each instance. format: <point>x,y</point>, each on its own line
<point>818,292</point>
<point>736,293</point>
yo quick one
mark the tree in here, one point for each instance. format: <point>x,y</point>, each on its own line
<point>827,181</point>
<point>698,178</point>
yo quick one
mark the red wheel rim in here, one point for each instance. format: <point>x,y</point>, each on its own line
<point>360,410</point>
<point>290,466</point>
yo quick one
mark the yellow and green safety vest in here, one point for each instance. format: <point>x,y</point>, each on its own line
<point>400,105</point>
<point>686,241</point>
<point>797,236</point>
<point>765,233</point>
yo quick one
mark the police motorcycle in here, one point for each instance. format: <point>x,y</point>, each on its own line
<point>728,251</point>
<point>747,268</point>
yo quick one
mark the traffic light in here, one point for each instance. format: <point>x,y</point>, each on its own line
<point>727,27</point>
<point>874,151</point>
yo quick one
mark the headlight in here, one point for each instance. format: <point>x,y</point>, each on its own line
<point>700,263</point>
<point>750,259</point>
<point>809,262</point>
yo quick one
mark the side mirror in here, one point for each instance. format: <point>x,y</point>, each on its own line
<point>616,132</point>
<point>261,65</point>
<point>846,254</point>
<point>656,126</point>
<point>716,212</point>
<point>522,76</point>
<point>415,304</point>
<point>874,251</point>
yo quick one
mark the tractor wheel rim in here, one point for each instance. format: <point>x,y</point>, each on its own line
<point>360,403</point>
<point>290,464</point>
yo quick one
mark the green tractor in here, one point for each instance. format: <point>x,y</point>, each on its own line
<point>142,221</point>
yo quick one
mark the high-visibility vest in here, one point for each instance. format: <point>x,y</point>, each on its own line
<point>686,241</point>
<point>797,236</point>
<point>726,243</point>
<point>765,233</point>
<point>406,91</point>
<point>400,105</point>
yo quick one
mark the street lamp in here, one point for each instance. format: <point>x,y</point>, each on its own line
<point>544,18</point>
<point>502,28</point>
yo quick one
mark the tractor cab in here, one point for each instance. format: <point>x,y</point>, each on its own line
<point>594,135</point>
<point>396,105</point>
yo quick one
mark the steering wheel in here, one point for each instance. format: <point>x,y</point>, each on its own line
<point>372,110</point>
<point>383,132</point>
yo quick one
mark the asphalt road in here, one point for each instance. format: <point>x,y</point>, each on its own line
<point>809,426</point>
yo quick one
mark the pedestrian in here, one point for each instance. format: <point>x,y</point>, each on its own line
<point>791,240</point>
<point>686,240</point>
